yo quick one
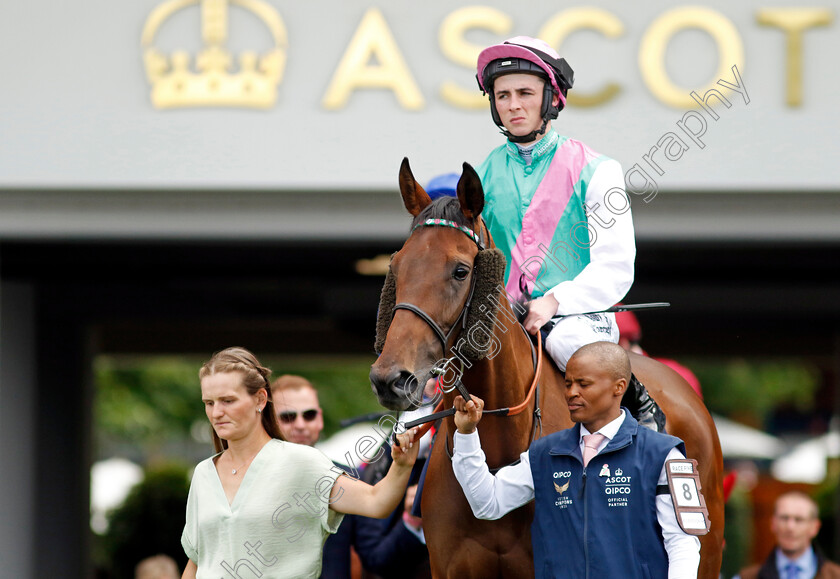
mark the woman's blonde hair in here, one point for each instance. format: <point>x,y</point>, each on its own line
<point>255,377</point>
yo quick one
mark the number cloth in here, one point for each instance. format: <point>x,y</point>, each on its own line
<point>276,526</point>
<point>637,535</point>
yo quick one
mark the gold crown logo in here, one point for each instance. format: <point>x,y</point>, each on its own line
<point>213,83</point>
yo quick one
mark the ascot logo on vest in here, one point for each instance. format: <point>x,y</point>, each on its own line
<point>212,83</point>
<point>617,487</point>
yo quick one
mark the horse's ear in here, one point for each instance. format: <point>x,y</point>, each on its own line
<point>414,196</point>
<point>470,193</point>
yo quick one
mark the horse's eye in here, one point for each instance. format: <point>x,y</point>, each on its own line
<point>461,273</point>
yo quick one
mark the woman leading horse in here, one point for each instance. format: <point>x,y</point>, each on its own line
<point>444,307</point>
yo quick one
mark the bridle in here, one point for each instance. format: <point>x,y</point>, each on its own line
<point>536,351</point>
<point>462,317</point>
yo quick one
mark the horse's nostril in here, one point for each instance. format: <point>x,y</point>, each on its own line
<point>382,381</point>
<point>405,384</point>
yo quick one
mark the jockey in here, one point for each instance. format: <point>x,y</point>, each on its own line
<point>443,185</point>
<point>556,209</point>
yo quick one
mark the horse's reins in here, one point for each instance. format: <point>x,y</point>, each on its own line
<point>536,352</point>
<point>510,411</point>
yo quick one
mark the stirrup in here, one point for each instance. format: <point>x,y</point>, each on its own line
<point>643,408</point>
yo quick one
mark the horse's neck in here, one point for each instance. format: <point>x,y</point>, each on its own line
<point>503,381</point>
<point>504,378</point>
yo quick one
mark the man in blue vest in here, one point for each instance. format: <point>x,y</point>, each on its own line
<point>597,509</point>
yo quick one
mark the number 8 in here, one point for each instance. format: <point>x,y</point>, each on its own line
<point>686,491</point>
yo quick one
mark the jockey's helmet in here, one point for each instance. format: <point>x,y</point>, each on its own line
<point>443,185</point>
<point>525,55</point>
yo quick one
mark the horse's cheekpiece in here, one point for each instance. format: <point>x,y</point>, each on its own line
<point>488,280</point>
<point>387,301</point>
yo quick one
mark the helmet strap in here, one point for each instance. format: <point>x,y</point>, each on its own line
<point>532,136</point>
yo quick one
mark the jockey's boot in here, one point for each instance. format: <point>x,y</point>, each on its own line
<point>643,408</point>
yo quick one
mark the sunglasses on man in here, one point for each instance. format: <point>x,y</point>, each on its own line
<point>290,416</point>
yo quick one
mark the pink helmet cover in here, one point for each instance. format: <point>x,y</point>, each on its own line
<point>508,50</point>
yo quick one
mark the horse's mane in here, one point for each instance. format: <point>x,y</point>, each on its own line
<point>446,207</point>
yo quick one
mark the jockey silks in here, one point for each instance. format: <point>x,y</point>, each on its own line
<point>532,205</point>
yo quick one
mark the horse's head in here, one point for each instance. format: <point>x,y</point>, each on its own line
<point>437,287</point>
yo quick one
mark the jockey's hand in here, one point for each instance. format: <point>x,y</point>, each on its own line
<point>468,414</point>
<point>540,311</point>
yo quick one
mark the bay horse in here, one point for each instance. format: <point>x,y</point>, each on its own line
<point>444,299</point>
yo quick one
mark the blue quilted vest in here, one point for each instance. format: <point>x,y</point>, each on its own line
<point>599,522</point>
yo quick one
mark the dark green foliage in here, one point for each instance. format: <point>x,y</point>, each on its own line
<point>738,532</point>
<point>147,399</point>
<point>826,497</point>
<point>149,522</point>
<point>750,390</point>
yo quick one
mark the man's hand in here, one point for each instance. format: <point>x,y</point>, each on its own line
<point>468,414</point>
<point>540,311</point>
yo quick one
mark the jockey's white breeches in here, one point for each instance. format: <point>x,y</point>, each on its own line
<point>575,331</point>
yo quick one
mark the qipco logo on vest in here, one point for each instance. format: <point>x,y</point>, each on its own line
<point>563,474</point>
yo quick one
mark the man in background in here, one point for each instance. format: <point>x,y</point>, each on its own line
<point>391,547</point>
<point>296,404</point>
<point>795,525</point>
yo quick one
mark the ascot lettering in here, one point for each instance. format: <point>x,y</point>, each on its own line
<point>374,41</point>
<point>794,22</point>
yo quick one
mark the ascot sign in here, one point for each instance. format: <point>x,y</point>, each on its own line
<point>373,59</point>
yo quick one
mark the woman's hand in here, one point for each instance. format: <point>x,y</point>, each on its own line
<point>354,497</point>
<point>540,311</point>
<point>405,453</point>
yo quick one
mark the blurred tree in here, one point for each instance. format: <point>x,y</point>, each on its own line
<point>146,399</point>
<point>149,522</point>
<point>748,391</point>
<point>827,499</point>
<point>738,532</point>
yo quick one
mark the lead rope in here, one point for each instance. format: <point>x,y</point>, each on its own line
<point>536,356</point>
<point>439,413</point>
